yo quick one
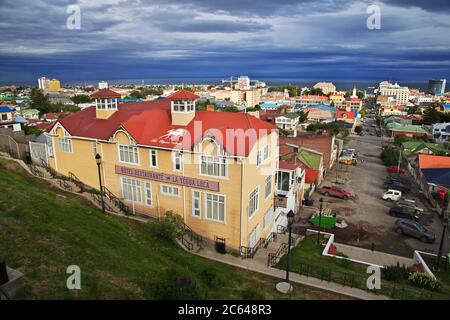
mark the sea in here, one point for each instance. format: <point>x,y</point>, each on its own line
<point>342,85</point>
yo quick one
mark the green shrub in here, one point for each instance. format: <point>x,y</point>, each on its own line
<point>424,281</point>
<point>395,272</point>
<point>176,286</point>
<point>169,227</point>
<point>390,156</point>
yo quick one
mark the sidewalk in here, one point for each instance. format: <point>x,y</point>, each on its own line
<point>252,265</point>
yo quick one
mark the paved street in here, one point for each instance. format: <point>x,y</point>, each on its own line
<point>369,213</point>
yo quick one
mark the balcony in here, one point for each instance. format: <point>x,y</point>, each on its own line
<point>280,202</point>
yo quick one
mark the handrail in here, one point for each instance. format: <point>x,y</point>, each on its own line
<point>273,258</point>
<point>281,229</point>
<point>272,237</point>
<point>194,236</point>
<point>247,252</point>
<point>187,244</point>
<point>117,201</point>
<point>77,181</point>
<point>98,200</point>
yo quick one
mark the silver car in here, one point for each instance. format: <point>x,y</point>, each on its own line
<point>414,229</point>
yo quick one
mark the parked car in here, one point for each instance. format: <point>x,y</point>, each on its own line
<point>404,213</point>
<point>395,169</point>
<point>336,192</point>
<point>409,204</point>
<point>397,186</point>
<point>391,195</point>
<point>414,229</point>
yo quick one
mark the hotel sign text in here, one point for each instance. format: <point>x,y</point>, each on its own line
<point>169,178</point>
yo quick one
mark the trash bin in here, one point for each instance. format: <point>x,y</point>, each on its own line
<point>309,202</point>
<point>220,245</point>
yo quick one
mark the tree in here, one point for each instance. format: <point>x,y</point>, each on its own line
<point>303,116</point>
<point>81,98</point>
<point>400,138</point>
<point>359,94</point>
<point>39,101</point>
<point>135,94</point>
<point>291,89</point>
<point>170,227</point>
<point>358,129</point>
<point>314,91</point>
<point>230,109</point>
<point>390,156</point>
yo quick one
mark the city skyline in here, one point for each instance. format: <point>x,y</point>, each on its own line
<point>199,39</point>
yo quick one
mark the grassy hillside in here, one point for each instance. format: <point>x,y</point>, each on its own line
<point>43,230</point>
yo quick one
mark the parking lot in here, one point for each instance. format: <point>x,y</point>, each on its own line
<point>367,215</point>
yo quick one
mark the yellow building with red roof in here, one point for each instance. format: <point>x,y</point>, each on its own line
<point>215,169</point>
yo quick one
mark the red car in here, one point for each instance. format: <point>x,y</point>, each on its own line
<point>335,192</point>
<point>395,169</point>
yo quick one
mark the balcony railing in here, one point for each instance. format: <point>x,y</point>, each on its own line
<point>280,202</point>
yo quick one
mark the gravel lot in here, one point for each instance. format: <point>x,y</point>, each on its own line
<point>369,213</point>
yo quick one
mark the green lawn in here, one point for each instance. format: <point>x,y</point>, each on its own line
<point>43,230</point>
<point>307,259</point>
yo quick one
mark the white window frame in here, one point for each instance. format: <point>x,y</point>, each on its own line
<point>194,207</point>
<point>148,194</point>
<point>268,179</point>
<point>268,214</point>
<point>153,152</point>
<point>130,148</point>
<point>169,190</point>
<point>65,145</point>
<point>251,196</point>
<point>94,148</point>
<point>218,163</point>
<point>212,195</point>
<point>132,183</point>
<point>175,156</point>
<point>262,155</point>
<point>257,233</point>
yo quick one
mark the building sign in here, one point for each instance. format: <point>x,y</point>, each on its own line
<point>168,178</point>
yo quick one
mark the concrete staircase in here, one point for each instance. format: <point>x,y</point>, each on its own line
<point>113,204</point>
<point>261,256</point>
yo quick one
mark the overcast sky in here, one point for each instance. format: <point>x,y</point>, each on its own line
<point>308,39</point>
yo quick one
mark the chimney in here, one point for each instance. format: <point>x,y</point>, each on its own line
<point>210,107</point>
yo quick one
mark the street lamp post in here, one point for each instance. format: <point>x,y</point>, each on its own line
<point>320,219</point>
<point>444,228</point>
<point>98,160</point>
<point>285,286</point>
<point>290,218</point>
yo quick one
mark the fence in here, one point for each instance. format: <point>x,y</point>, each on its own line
<point>15,143</point>
<point>394,289</point>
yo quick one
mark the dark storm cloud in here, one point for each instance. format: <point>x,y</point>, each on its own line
<point>174,38</point>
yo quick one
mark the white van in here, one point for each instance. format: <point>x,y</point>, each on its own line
<point>392,195</point>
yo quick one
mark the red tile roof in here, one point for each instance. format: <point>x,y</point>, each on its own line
<point>348,114</point>
<point>51,115</point>
<point>432,162</point>
<point>150,123</point>
<point>290,165</point>
<point>319,142</point>
<point>310,175</point>
<point>311,96</point>
<point>183,94</point>
<point>104,94</point>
